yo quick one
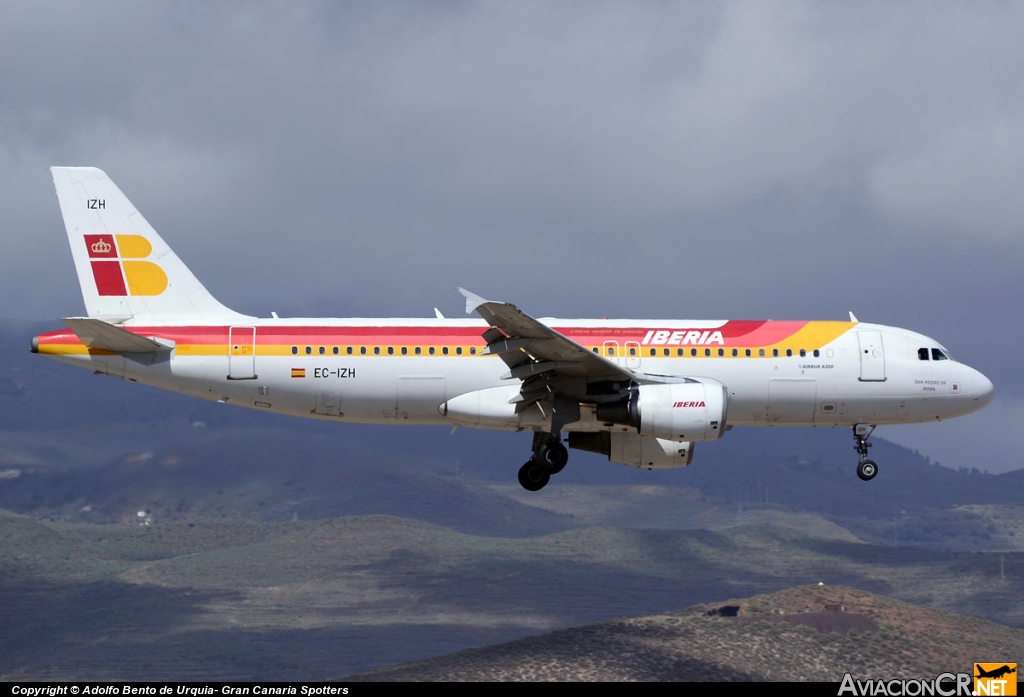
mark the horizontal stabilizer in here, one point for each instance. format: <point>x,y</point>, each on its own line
<point>97,334</point>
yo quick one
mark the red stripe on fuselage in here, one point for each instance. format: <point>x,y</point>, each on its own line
<point>734,333</point>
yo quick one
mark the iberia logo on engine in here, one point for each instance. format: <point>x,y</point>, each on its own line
<point>685,405</point>
<point>117,266</point>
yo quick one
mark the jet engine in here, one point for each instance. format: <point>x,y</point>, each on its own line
<point>691,411</point>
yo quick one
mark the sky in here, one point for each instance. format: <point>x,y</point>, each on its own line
<point>781,160</point>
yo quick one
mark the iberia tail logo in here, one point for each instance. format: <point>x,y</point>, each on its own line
<point>117,266</point>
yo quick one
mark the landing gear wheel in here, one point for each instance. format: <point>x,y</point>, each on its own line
<point>532,476</point>
<point>553,456</point>
<point>867,470</point>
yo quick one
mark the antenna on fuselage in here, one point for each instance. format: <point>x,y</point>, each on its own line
<point>853,318</point>
<point>437,313</point>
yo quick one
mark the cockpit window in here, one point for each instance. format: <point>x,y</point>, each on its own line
<point>922,354</point>
<point>938,355</point>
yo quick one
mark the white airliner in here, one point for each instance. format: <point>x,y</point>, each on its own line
<point>641,392</point>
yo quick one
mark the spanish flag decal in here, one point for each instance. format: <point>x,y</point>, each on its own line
<point>298,372</point>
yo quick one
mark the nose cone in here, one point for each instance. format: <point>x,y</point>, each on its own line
<point>981,390</point>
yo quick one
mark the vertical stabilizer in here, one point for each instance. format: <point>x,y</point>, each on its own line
<point>126,270</point>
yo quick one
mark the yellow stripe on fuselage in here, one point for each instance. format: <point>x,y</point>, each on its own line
<point>814,335</point>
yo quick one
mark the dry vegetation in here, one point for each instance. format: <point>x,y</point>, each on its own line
<point>329,597</point>
<point>780,636</point>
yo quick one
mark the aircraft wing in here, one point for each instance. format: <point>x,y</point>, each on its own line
<point>97,334</point>
<point>530,348</point>
<point>555,370</point>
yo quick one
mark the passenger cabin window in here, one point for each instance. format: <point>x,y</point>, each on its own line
<point>405,351</point>
<point>938,355</point>
<point>735,352</point>
<point>431,350</point>
<point>295,350</point>
<point>335,350</point>
<point>747,353</point>
<point>632,351</point>
<point>721,352</point>
<point>789,352</point>
<point>680,352</point>
<point>349,350</point>
<point>654,352</point>
<point>322,350</point>
<point>760,352</point>
<point>775,353</point>
<point>922,354</point>
<point>376,350</point>
<point>707,352</point>
<point>309,350</point>
<point>445,350</point>
<point>817,353</point>
<point>362,350</point>
<point>458,351</point>
<point>611,351</point>
<point>418,350</point>
<point>693,352</point>
<point>667,352</point>
<point>472,350</point>
<point>391,350</point>
<point>802,353</point>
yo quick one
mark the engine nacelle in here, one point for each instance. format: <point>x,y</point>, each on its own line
<point>495,408</point>
<point>489,408</point>
<point>691,411</point>
<point>635,450</point>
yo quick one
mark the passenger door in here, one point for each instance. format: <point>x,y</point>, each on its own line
<point>872,356</point>
<point>242,353</point>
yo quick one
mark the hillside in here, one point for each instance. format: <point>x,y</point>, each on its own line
<point>312,599</point>
<point>274,548</point>
<point>815,633</point>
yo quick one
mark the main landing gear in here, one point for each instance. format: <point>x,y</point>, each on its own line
<point>866,469</point>
<point>549,457</point>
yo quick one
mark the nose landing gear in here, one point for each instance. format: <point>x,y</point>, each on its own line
<point>549,457</point>
<point>866,469</point>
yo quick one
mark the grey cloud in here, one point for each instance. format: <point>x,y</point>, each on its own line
<point>587,159</point>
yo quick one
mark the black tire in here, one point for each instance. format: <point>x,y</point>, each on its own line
<point>867,470</point>
<point>532,476</point>
<point>553,456</point>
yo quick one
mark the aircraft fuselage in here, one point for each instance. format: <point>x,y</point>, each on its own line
<point>403,370</point>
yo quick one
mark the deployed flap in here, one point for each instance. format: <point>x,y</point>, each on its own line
<point>525,338</point>
<point>97,334</point>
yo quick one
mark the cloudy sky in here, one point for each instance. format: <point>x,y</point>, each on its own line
<point>697,160</point>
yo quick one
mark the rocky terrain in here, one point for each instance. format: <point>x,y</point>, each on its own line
<point>815,633</point>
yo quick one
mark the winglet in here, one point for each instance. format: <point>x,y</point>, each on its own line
<point>852,318</point>
<point>473,300</point>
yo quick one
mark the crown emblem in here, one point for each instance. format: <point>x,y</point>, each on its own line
<point>101,247</point>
